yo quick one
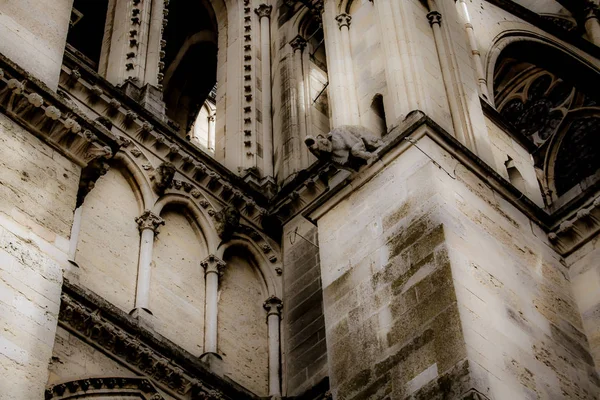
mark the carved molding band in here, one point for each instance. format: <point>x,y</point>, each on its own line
<point>91,325</point>
<point>134,388</point>
<point>577,230</point>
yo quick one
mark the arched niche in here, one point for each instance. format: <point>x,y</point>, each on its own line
<point>550,97</point>
<point>242,328</point>
<point>177,287</point>
<point>190,59</point>
<point>108,245</point>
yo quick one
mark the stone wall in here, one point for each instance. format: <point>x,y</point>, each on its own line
<point>447,283</point>
<point>37,198</point>
<point>303,320</point>
<point>177,289</point>
<point>242,340</point>
<point>34,34</point>
<point>584,273</point>
<point>109,240</point>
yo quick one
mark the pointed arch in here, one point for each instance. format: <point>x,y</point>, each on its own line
<point>266,269</point>
<point>203,221</point>
<point>136,178</point>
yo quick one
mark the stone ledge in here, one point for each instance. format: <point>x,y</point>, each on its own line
<point>120,336</point>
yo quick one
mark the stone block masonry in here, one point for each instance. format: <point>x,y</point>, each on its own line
<point>448,292</point>
<point>305,344</point>
<point>37,197</point>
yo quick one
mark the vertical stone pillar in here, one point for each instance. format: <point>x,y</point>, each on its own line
<point>273,305</point>
<point>481,80</point>
<point>210,140</point>
<point>148,224</point>
<point>335,65</point>
<point>396,106</point>
<point>126,40</point>
<point>75,229</point>
<point>299,44</point>
<point>213,268</point>
<point>344,21</point>
<point>264,11</point>
<point>592,24</point>
<point>435,20</point>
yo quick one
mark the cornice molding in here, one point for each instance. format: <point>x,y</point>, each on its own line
<point>42,112</point>
<point>121,338</point>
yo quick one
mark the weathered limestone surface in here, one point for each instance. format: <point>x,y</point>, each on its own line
<point>37,197</point>
<point>177,287</point>
<point>243,324</point>
<point>73,359</point>
<point>109,240</point>
<point>34,33</point>
<point>304,323</point>
<point>584,272</point>
<point>447,283</point>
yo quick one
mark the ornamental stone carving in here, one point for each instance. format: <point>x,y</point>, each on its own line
<point>162,177</point>
<point>273,305</point>
<point>434,17</point>
<point>298,43</point>
<point>263,10</point>
<point>213,264</point>
<point>149,220</point>
<point>348,146</point>
<point>227,222</point>
<point>113,386</point>
<point>344,20</point>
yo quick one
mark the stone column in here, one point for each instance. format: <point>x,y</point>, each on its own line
<point>75,229</point>
<point>273,305</point>
<point>435,20</point>
<point>481,80</point>
<point>210,140</point>
<point>592,24</point>
<point>343,21</point>
<point>299,44</point>
<point>148,224</point>
<point>335,65</point>
<point>396,106</point>
<point>213,268</point>
<point>264,11</point>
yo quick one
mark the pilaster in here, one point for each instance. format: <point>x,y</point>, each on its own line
<point>273,305</point>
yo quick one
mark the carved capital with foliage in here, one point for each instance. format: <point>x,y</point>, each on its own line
<point>149,220</point>
<point>213,264</point>
<point>263,10</point>
<point>344,20</point>
<point>273,305</point>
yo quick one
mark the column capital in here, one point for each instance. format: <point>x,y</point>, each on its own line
<point>213,264</point>
<point>434,17</point>
<point>298,43</point>
<point>263,10</point>
<point>273,305</point>
<point>344,20</point>
<point>590,10</point>
<point>149,220</point>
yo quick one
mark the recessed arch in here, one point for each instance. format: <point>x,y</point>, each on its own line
<point>265,267</point>
<point>203,221</point>
<point>136,178</point>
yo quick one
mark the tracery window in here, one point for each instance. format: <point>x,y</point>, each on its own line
<point>557,111</point>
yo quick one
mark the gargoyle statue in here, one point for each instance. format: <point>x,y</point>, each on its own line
<point>348,146</point>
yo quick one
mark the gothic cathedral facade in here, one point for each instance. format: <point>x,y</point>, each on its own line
<point>299,199</point>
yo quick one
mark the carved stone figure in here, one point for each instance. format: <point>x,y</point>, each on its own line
<point>227,222</point>
<point>348,146</point>
<point>162,177</point>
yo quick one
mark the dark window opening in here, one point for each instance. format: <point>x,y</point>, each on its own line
<point>379,111</point>
<point>190,70</point>
<point>86,30</point>
<point>552,99</point>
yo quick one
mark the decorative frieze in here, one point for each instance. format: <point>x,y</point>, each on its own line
<point>89,322</point>
<point>576,230</point>
<point>50,118</point>
<point>106,386</point>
